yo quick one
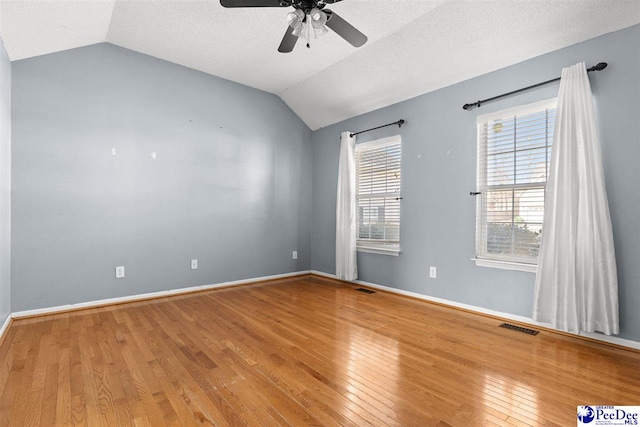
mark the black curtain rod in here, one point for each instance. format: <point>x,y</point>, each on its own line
<point>399,123</point>
<point>598,67</point>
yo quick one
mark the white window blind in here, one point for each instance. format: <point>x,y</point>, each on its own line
<point>514,150</point>
<point>378,177</point>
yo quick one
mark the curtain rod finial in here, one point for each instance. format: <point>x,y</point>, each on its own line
<point>600,66</point>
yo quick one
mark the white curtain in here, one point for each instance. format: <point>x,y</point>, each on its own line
<point>576,286</point>
<point>346,261</point>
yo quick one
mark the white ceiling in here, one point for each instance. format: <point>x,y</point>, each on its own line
<point>414,47</point>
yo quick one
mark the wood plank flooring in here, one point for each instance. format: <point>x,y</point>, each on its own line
<point>297,352</point>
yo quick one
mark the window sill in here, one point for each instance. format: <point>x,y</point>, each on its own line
<point>381,251</point>
<point>506,265</point>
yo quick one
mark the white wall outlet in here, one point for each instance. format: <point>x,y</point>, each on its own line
<point>120,272</point>
<point>432,272</point>
<point>294,255</point>
<point>194,264</point>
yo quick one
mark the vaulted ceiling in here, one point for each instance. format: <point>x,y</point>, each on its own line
<point>414,47</point>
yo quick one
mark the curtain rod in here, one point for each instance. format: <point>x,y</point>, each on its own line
<point>598,67</point>
<point>399,123</point>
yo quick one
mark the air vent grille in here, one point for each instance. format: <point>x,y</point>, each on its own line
<point>366,291</point>
<point>519,329</point>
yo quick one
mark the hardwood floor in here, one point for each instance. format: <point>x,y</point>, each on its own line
<point>299,351</point>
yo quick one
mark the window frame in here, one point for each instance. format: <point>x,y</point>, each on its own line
<point>482,258</point>
<point>384,247</point>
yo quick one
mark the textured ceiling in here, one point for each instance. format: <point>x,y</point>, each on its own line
<point>414,47</point>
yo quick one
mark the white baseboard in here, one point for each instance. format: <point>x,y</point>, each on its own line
<point>99,303</point>
<point>522,319</point>
<point>151,295</point>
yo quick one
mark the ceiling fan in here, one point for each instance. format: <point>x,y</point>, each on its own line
<point>308,16</point>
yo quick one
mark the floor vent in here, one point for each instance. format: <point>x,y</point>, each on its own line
<point>519,329</point>
<point>366,291</point>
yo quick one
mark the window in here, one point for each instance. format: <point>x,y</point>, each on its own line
<point>378,195</point>
<point>514,149</point>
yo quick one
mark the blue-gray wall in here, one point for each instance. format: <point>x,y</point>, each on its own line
<point>5,185</point>
<point>439,171</point>
<point>230,185</point>
<point>235,172</point>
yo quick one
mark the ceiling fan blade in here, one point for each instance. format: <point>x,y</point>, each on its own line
<point>251,3</point>
<point>288,41</point>
<point>344,29</point>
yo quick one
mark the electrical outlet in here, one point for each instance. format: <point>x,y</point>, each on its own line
<point>194,264</point>
<point>120,272</point>
<point>432,272</point>
<point>295,255</point>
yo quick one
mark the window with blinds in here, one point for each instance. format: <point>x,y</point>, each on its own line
<point>378,195</point>
<point>514,150</point>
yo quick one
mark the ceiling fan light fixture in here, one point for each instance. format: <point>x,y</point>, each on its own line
<point>300,30</point>
<point>320,31</point>
<point>318,20</point>
<point>318,16</point>
<point>295,19</point>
